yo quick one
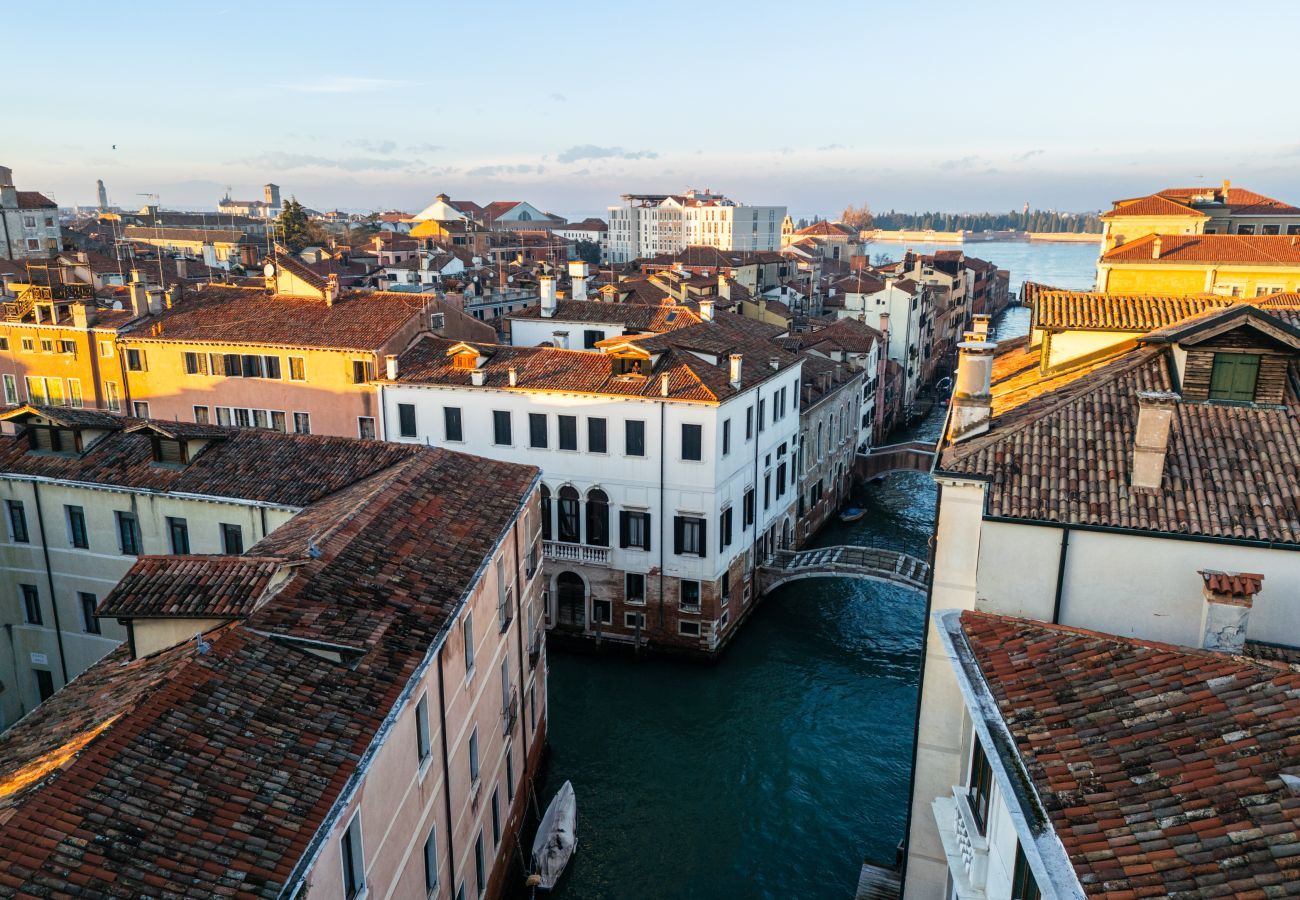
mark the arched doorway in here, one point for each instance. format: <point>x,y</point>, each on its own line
<point>786,543</point>
<point>570,601</point>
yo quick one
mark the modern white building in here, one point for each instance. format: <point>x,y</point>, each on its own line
<point>667,460</point>
<point>654,224</point>
<point>900,309</point>
<point>29,222</point>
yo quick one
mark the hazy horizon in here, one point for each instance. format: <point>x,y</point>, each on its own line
<point>917,107</point>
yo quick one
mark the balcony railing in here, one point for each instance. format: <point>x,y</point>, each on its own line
<point>575,552</point>
<point>535,647</point>
<point>510,713</point>
<point>973,846</point>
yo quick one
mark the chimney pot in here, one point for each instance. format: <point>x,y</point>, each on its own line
<point>1229,598</point>
<point>706,310</point>
<point>478,377</point>
<point>560,339</point>
<point>514,376</point>
<point>546,288</point>
<point>663,384</point>
<point>774,363</point>
<point>972,399</point>
<point>1155,247</point>
<point>390,365</point>
<point>1151,440</point>
<point>736,360</point>
<point>980,324</point>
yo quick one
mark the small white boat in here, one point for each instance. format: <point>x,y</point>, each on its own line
<point>555,839</point>
<point>852,514</point>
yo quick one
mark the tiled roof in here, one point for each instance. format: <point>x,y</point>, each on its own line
<point>861,283</point>
<point>207,774</point>
<point>1092,311</point>
<point>1236,584</point>
<point>1154,205</point>
<point>848,335</point>
<point>199,586</point>
<point>251,464</point>
<point>1060,449</point>
<point>1253,249</point>
<point>634,316</point>
<point>299,269</point>
<point>1160,767</point>
<point>358,320</point>
<point>828,229</point>
<point>66,416</point>
<point>1239,201</point>
<point>146,233</point>
<point>35,200</point>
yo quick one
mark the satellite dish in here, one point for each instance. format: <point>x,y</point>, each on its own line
<point>269,271</point>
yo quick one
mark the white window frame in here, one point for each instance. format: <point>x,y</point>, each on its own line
<point>358,861</point>
<point>684,624</point>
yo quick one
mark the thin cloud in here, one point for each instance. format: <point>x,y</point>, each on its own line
<point>342,84</point>
<point>425,148</point>
<point>1027,156</point>
<point>281,160</point>
<point>494,171</point>
<point>559,98</point>
<point>965,162</point>
<point>383,148</point>
<point>591,151</point>
<point>827,147</point>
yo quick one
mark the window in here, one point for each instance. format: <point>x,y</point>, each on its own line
<point>230,366</point>
<point>634,437</point>
<point>501,428</point>
<point>1270,229</point>
<point>89,621</point>
<point>473,755</point>
<point>11,390</point>
<point>569,521</point>
<point>480,864</point>
<point>1023,885</point>
<point>634,620</point>
<point>106,349</point>
<point>178,531</point>
<point>634,529</point>
<point>270,367</point>
<point>44,684</point>
<point>504,596</point>
<point>537,430</point>
<point>568,432</point>
<point>451,424</point>
<point>596,436</point>
<point>354,864</point>
<point>431,861</point>
<point>510,772</point>
<point>597,518</point>
<point>691,440</point>
<point>232,539</point>
<point>590,337</point>
<point>17,521</point>
<point>762,415</point>
<point>74,393</point>
<point>31,604</point>
<point>1233,376</point>
<point>688,628</point>
<point>76,521</point>
<point>602,611</point>
<point>688,536</point>
<point>1245,229</point>
<point>767,491</point>
<point>135,360</point>
<point>726,437</point>
<point>980,787</point>
<point>128,533</point>
<point>302,423</point>
<point>496,817</point>
<point>366,428</point>
<point>690,594</point>
<point>546,513</point>
<point>297,368</point>
<point>111,397</point>
<point>201,416</point>
<point>422,730</point>
<point>724,529</point>
<point>28,344</point>
<point>748,510</point>
<point>634,588</point>
<point>363,370</point>
<point>278,421</point>
<point>780,480</point>
<point>467,632</point>
<point>196,363</point>
<point>406,419</point>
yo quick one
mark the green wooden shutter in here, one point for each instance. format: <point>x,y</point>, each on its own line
<point>1233,376</point>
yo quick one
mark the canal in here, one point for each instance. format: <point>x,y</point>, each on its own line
<point>774,773</point>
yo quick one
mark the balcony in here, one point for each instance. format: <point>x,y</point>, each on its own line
<point>966,849</point>
<point>581,553</point>
<point>535,645</point>
<point>510,713</point>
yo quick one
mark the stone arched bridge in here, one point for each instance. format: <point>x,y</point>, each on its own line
<point>873,563</point>
<point>911,456</point>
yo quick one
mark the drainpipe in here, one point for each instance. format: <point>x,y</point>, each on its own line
<point>49,579</point>
<point>663,513</point>
<point>1060,575</point>
<point>446,772</point>
<point>519,620</point>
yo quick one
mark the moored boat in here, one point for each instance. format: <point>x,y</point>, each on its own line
<point>556,839</point>
<point>852,514</point>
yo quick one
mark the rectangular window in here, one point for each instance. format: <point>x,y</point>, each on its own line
<point>422,730</point>
<point>1023,884</point>
<point>726,437</point>
<point>278,421</point>
<point>74,393</point>
<point>31,604</point>
<point>223,415</point>
<point>76,521</point>
<point>501,428</point>
<point>231,366</point>
<point>590,337</point>
<point>1245,229</point>
<point>690,594</point>
<point>634,437</point>
<point>111,397</point>
<point>748,510</point>
<point>496,817</point>
<point>980,787</point>
<point>473,755</point>
<point>297,368</point>
<point>537,430</point>
<point>36,391</point>
<point>89,621</point>
<point>140,409</point>
<point>232,539</point>
<point>128,533</point>
<point>451,429</point>
<point>366,428</point>
<point>780,480</point>
<point>11,390</point>
<point>135,360</point>
<point>724,529</point>
<point>688,536</point>
<point>510,772</point>
<point>568,432</point>
<point>44,684</point>
<point>467,632</point>
<point>354,863</point>
<point>270,367</point>
<point>634,529</point>
<point>406,419</point>
<point>762,415</point>
<point>634,620</point>
<point>596,442</point>
<point>692,438</point>
<point>196,363</point>
<point>178,531</point>
<point>362,371</point>
<point>767,491</point>
<point>250,366</point>
<point>106,349</point>
<point>431,861</point>
<point>201,415</point>
<point>634,590</point>
<point>1233,376</point>
<point>480,865</point>
<point>302,423</point>
<point>17,522</point>
<point>688,628</point>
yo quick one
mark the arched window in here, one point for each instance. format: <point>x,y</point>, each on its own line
<point>819,439</point>
<point>597,518</point>
<point>570,527</point>
<point>546,513</point>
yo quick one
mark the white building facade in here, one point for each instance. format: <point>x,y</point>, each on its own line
<point>653,224</point>
<point>29,222</point>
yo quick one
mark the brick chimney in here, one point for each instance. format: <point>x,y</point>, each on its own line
<point>1229,597</point>
<point>1151,441</point>
<point>972,399</point>
<point>546,288</point>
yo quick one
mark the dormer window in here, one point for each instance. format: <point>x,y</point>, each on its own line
<point>169,451</point>
<point>1234,377</point>
<point>51,439</point>
<point>465,361</point>
<point>623,366</point>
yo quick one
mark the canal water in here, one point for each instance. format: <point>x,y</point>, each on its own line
<point>773,773</point>
<point>1069,266</point>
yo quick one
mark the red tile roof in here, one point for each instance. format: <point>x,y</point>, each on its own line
<point>1160,767</point>
<point>1252,249</point>
<point>1239,201</point>
<point>827,229</point>
<point>199,586</point>
<point>1236,584</point>
<point>35,200</point>
<point>632,316</point>
<point>1093,311</point>
<point>1154,205</point>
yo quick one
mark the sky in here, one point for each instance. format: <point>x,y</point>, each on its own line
<point>911,105</point>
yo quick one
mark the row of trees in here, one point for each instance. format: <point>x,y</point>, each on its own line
<point>1033,220</point>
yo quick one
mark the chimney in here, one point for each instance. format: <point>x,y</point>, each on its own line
<point>135,275</point>
<point>390,365</point>
<point>774,363</point>
<point>8,193</point>
<point>1227,186</point>
<point>182,267</point>
<point>980,324</point>
<point>560,339</point>
<point>578,279</point>
<point>1155,247</point>
<point>1150,444</point>
<point>478,377</point>
<point>139,298</point>
<point>1229,597</point>
<point>173,296</point>
<point>331,289</point>
<point>83,256</point>
<point>663,384</point>
<point>155,300</point>
<point>972,399</point>
<point>546,286</point>
<point>736,360</point>
<point>724,287</point>
<point>706,310</point>
<point>83,316</point>
<point>514,376</point>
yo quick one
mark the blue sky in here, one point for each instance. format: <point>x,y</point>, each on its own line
<point>911,105</point>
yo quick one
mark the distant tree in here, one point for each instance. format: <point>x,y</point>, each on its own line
<point>588,251</point>
<point>295,230</point>
<point>858,218</point>
<point>883,259</point>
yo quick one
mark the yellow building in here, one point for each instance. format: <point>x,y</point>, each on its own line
<point>1231,265</point>
<point>1205,210</point>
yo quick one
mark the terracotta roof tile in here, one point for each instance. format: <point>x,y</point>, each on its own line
<point>1254,249</point>
<point>1092,311</point>
<point>207,586</point>
<point>1154,205</point>
<point>35,200</point>
<point>633,316</point>
<point>1235,584</point>
<point>1159,767</point>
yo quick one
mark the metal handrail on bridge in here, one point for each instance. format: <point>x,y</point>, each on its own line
<point>851,561</point>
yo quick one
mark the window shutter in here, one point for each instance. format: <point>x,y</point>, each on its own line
<point>678,528</point>
<point>704,537</point>
<point>623,528</point>
<point>645,517</point>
